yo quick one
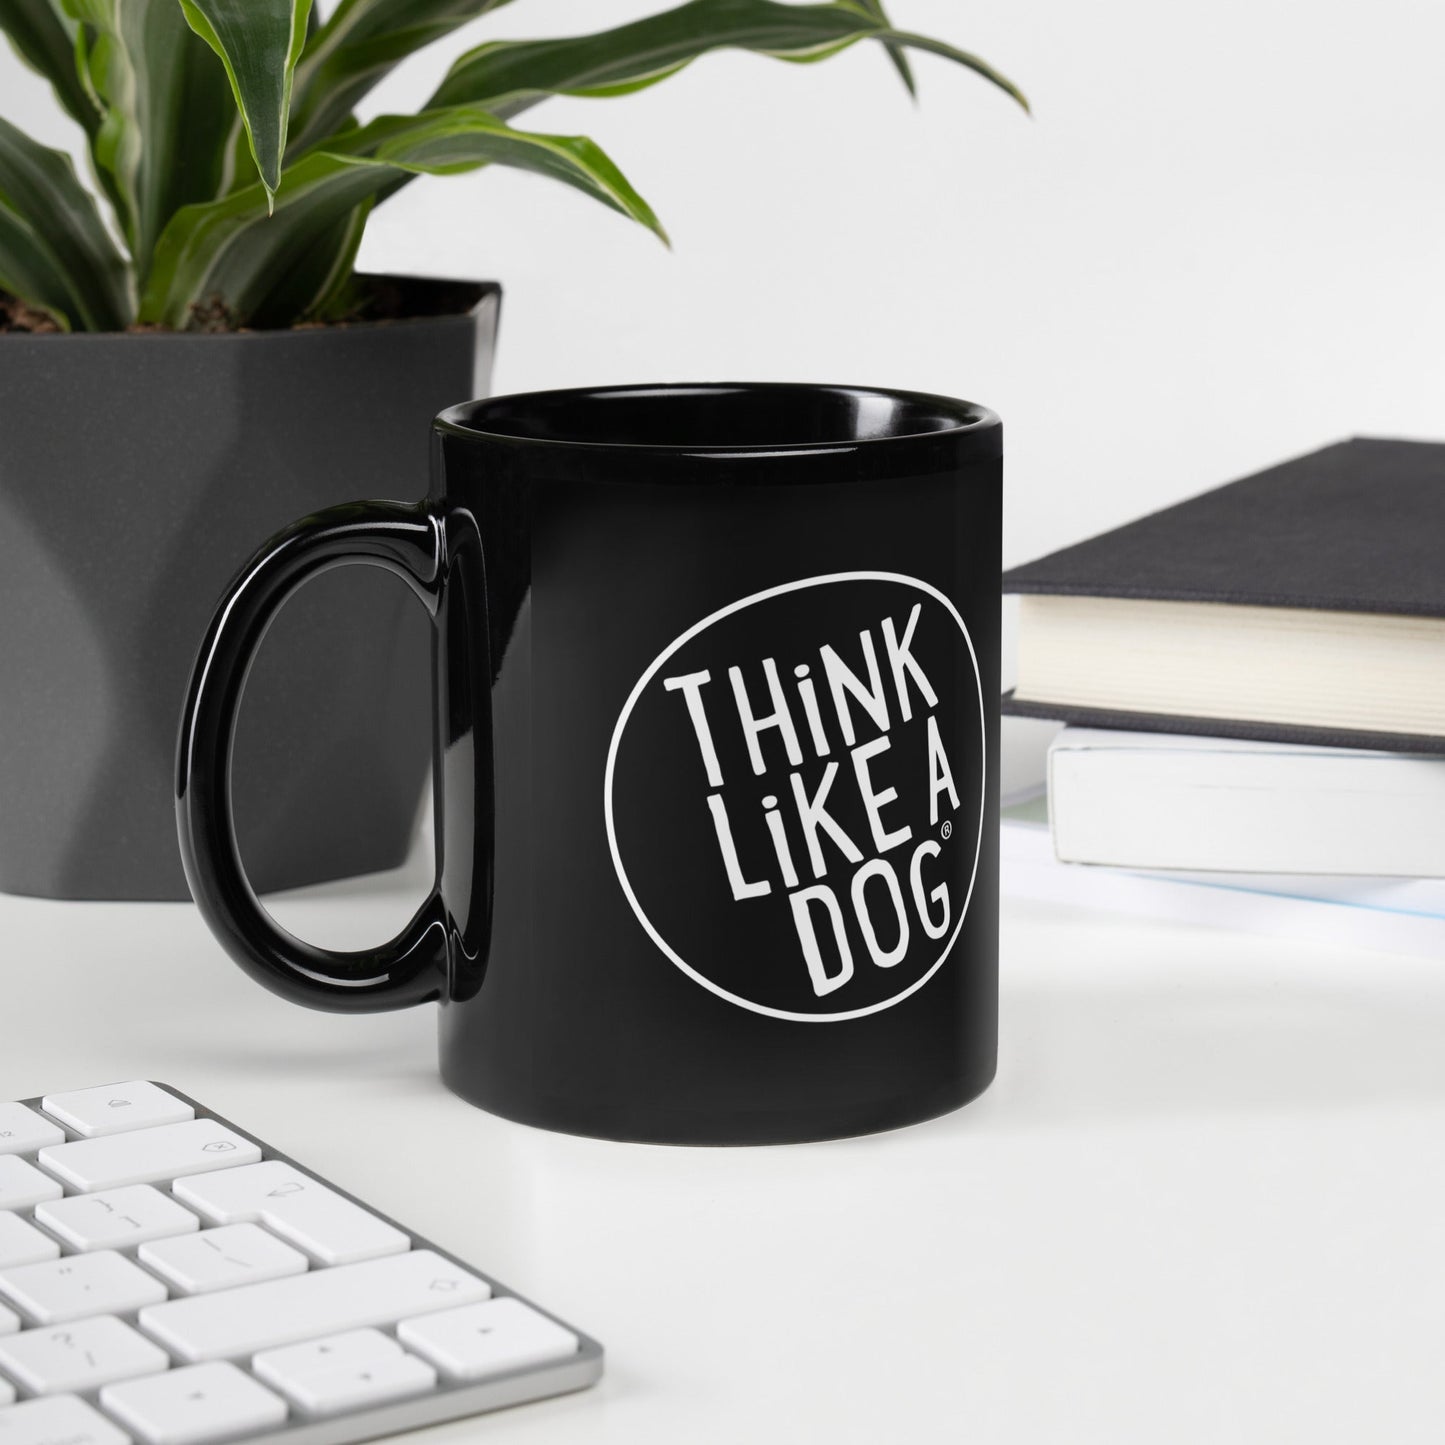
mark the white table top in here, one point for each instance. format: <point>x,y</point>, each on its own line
<point>1204,1201</point>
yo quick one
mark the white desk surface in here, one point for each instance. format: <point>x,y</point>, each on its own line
<point>1203,1202</point>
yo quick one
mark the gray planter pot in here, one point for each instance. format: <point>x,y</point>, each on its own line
<point>137,473</point>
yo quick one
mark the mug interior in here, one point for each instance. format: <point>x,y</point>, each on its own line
<point>771,416</point>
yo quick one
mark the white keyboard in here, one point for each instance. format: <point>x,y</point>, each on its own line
<point>167,1279</point>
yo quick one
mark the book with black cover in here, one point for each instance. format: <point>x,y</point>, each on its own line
<point>1355,528</point>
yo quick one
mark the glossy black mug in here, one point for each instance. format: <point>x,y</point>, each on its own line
<point>716,681</point>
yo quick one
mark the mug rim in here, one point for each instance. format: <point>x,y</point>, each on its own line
<point>968,420</point>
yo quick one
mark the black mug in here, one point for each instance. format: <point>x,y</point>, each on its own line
<point>716,682</point>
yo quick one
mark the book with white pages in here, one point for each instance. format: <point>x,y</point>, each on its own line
<point>1165,800</point>
<point>1303,604</point>
<point>1389,915</point>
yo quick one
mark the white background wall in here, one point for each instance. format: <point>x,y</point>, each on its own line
<point>1221,240</point>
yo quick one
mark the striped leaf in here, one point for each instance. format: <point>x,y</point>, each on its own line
<point>229,255</point>
<point>358,45</point>
<point>163,141</point>
<point>508,76</point>
<point>28,271</point>
<point>55,252</point>
<point>259,43</point>
<point>897,55</point>
<point>45,38</point>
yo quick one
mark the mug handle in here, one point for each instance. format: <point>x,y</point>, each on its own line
<point>410,542</point>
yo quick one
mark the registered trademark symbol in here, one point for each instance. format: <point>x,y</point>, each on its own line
<point>947,830</point>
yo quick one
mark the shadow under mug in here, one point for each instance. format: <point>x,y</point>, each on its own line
<point>715,684</point>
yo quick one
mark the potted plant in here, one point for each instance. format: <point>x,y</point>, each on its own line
<point>178,384</point>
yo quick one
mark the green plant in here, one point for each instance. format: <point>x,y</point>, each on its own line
<point>247,203</point>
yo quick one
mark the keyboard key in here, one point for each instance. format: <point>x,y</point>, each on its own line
<point>116,1218</point>
<point>61,1290</point>
<point>114,1108</point>
<point>59,1420</point>
<point>148,1156</point>
<point>191,1405</point>
<point>332,1352</point>
<point>9,1321</point>
<point>79,1356</point>
<point>221,1259</point>
<point>327,1225</point>
<point>321,1302</point>
<point>22,1243</point>
<point>486,1339</point>
<point>333,1392</point>
<point>344,1372</point>
<point>23,1131</point>
<point>7,1392</point>
<point>22,1185</point>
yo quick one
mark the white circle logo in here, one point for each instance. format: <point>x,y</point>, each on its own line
<point>795,795</point>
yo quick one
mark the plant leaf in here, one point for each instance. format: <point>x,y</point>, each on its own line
<point>162,141</point>
<point>508,76</point>
<point>227,254</point>
<point>55,251</point>
<point>259,43</point>
<point>334,286</point>
<point>896,53</point>
<point>911,41</point>
<point>359,44</point>
<point>28,272</point>
<point>44,37</point>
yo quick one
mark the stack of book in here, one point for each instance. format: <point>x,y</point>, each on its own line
<point>1253,683</point>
